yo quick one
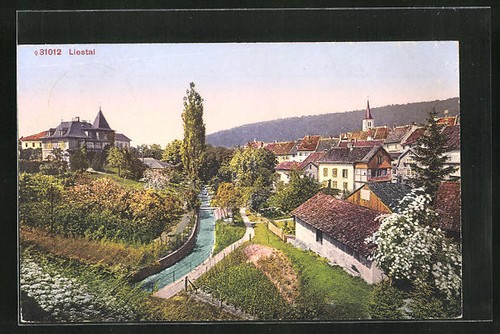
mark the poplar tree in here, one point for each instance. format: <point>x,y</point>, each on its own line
<point>193,144</point>
<point>430,157</point>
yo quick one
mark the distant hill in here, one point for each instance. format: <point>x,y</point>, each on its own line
<point>331,124</point>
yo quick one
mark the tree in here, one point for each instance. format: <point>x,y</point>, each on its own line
<point>129,166</point>
<point>252,167</point>
<point>297,191</point>
<point>409,249</point>
<point>116,159</point>
<point>430,157</point>
<point>227,198</point>
<point>213,160</point>
<point>193,144</point>
<point>153,151</point>
<point>78,159</point>
<point>172,153</point>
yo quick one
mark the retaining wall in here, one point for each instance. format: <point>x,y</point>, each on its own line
<point>171,258</point>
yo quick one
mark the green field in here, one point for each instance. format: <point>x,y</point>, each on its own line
<point>227,233</point>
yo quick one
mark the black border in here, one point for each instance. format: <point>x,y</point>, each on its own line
<point>470,26</point>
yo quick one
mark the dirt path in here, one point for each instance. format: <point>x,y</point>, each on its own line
<point>177,286</point>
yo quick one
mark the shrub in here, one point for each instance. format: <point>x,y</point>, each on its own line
<point>386,302</point>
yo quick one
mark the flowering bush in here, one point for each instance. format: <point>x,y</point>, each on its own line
<point>409,248</point>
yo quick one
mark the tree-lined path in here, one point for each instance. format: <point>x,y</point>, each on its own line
<point>180,284</point>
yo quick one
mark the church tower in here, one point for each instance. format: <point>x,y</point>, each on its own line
<point>368,122</point>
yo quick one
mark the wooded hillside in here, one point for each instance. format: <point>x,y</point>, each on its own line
<point>331,124</point>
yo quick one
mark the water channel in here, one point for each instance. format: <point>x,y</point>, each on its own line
<point>200,252</point>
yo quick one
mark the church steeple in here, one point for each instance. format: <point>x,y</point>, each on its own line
<point>369,121</point>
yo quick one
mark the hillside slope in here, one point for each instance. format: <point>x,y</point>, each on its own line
<point>331,124</point>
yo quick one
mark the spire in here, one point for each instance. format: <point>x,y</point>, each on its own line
<point>100,121</point>
<point>368,111</point>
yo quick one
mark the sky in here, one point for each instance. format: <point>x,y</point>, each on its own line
<point>140,87</point>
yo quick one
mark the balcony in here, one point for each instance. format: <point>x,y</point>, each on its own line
<point>381,178</point>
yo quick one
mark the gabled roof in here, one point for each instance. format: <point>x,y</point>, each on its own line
<point>414,136</point>
<point>345,154</point>
<point>327,143</point>
<point>447,205</point>
<point>378,133</point>
<point>389,193</point>
<point>100,122</point>
<point>397,134</point>
<point>121,137</point>
<point>452,136</point>
<point>312,158</point>
<point>361,143</point>
<point>153,163</point>
<point>449,120</point>
<point>287,165</point>
<point>381,132</point>
<point>280,148</point>
<point>345,222</point>
<point>308,143</point>
<point>37,136</point>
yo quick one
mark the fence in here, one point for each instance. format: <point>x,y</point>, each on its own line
<point>277,231</point>
<point>170,259</point>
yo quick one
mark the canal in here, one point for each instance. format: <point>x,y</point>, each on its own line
<point>201,250</point>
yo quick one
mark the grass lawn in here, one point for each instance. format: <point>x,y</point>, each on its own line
<point>288,225</point>
<point>227,233</point>
<point>120,180</point>
<point>321,281</point>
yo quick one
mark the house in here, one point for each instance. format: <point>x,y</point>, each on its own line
<point>70,135</point>
<point>361,143</point>
<point>382,197</point>
<point>281,150</point>
<point>122,141</point>
<point>452,136</point>
<point>403,170</point>
<point>447,205</point>
<point>152,163</point>
<point>327,143</point>
<point>393,142</point>
<point>347,168</point>
<point>32,141</point>
<point>310,165</point>
<point>284,168</point>
<point>306,146</point>
<point>376,166</point>
<point>337,230</point>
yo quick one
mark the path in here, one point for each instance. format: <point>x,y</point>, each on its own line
<point>180,284</point>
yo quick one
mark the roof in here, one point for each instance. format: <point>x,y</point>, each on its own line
<point>397,134</point>
<point>70,129</point>
<point>389,193</point>
<point>345,154</point>
<point>449,120</point>
<point>280,148</point>
<point>100,122</point>
<point>361,143</point>
<point>345,222</point>
<point>308,143</point>
<point>381,132</point>
<point>414,136</point>
<point>378,133</point>
<point>153,163</point>
<point>121,137</point>
<point>313,157</point>
<point>452,136</point>
<point>368,114</point>
<point>447,205</point>
<point>287,165</point>
<point>327,143</point>
<point>37,136</point>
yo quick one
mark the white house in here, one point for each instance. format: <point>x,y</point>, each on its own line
<point>337,230</point>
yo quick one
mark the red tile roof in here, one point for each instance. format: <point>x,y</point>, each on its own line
<point>397,134</point>
<point>308,143</point>
<point>313,157</point>
<point>450,120</point>
<point>381,132</point>
<point>447,205</point>
<point>287,165</point>
<point>414,136</point>
<point>345,222</point>
<point>280,148</point>
<point>37,136</point>
<point>255,144</point>
<point>452,135</point>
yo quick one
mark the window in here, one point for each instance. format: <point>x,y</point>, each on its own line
<point>33,144</point>
<point>26,145</point>
<point>319,237</point>
<point>379,159</point>
<point>334,172</point>
<point>335,185</point>
<point>345,173</point>
<point>345,185</point>
<point>325,172</point>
